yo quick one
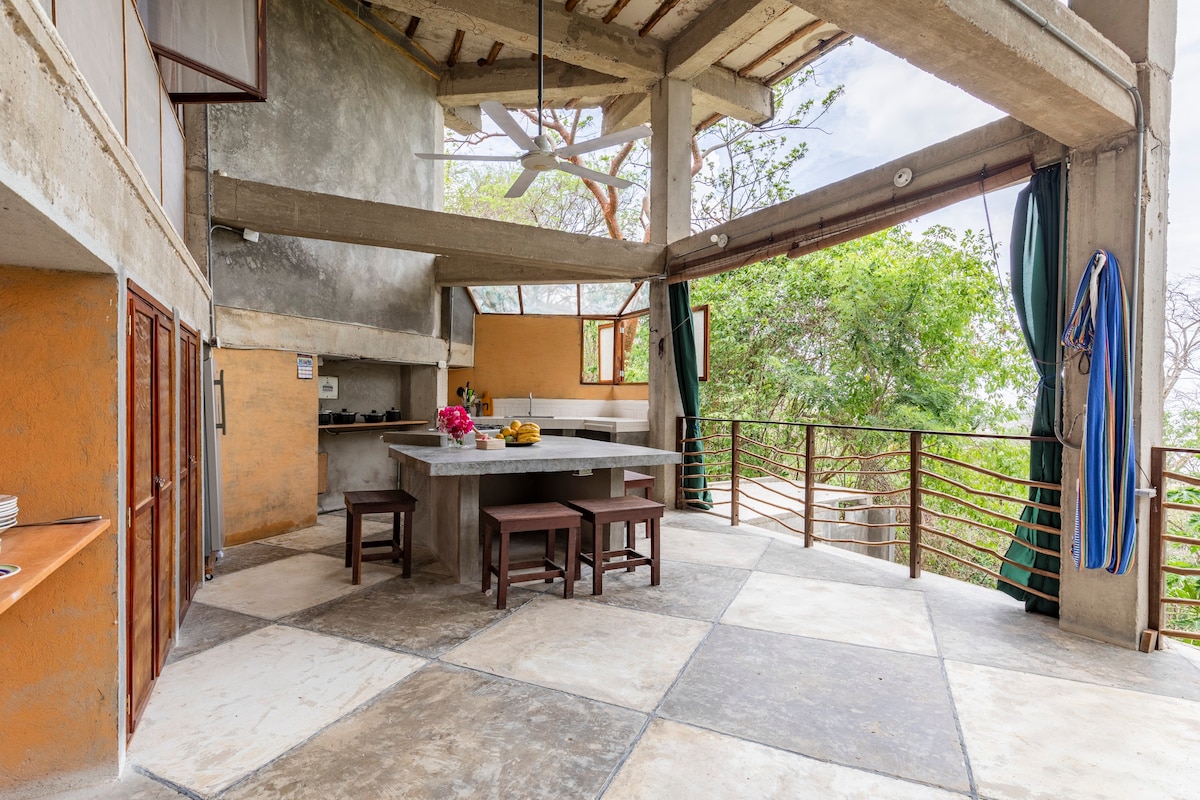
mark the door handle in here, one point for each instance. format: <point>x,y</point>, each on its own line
<point>160,481</point>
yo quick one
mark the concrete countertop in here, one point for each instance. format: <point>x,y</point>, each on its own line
<point>551,454</point>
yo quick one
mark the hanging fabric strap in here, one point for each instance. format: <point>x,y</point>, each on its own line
<point>1099,326</point>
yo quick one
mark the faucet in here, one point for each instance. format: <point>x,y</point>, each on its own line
<point>531,404</point>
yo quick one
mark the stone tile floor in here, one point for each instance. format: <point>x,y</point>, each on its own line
<point>758,669</point>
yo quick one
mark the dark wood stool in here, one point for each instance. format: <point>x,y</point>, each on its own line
<point>627,510</point>
<point>639,480</point>
<point>522,518</point>
<point>394,502</point>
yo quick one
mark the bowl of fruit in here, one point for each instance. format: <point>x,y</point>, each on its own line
<point>520,434</point>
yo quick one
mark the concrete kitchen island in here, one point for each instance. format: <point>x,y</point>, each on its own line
<point>451,483</point>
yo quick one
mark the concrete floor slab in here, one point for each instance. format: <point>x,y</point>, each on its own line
<point>130,786</point>
<point>1033,737</point>
<point>207,626</point>
<point>327,532</point>
<point>451,733</point>
<point>824,561</point>
<point>695,591</point>
<point>216,717</point>
<point>245,556</point>
<point>679,762</point>
<point>284,587</point>
<point>617,655</point>
<point>710,547</point>
<point>895,619</point>
<point>857,706</point>
<point>426,615</point>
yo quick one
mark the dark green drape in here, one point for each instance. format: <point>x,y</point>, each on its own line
<point>1036,253</point>
<point>683,338</point>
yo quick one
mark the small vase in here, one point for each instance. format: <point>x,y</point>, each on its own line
<point>457,441</point>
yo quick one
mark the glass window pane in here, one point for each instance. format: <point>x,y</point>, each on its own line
<point>604,298</point>
<point>218,35</point>
<point>641,301</point>
<point>496,299</point>
<point>635,335</point>
<point>605,351</point>
<point>551,299</point>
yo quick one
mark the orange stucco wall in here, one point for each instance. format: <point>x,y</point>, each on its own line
<point>59,433</point>
<point>516,355</point>
<point>269,451</point>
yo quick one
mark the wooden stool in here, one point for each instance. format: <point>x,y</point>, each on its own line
<point>394,502</point>
<point>639,480</point>
<point>521,518</point>
<point>627,510</point>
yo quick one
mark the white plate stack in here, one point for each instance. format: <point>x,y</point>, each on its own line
<point>8,511</point>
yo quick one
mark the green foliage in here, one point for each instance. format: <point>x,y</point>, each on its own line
<point>890,331</point>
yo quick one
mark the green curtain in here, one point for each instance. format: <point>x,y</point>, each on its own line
<point>683,339</point>
<point>1036,253</point>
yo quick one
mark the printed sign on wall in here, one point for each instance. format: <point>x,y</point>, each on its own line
<point>304,367</point>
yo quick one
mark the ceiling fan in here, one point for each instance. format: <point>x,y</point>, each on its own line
<point>540,155</point>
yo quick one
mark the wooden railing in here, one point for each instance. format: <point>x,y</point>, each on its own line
<point>919,497</point>
<point>1175,543</point>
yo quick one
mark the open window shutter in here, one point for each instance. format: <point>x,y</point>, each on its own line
<point>209,52</point>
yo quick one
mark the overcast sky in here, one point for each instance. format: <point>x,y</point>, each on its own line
<point>891,108</point>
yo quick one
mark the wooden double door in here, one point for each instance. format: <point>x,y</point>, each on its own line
<point>155,477</point>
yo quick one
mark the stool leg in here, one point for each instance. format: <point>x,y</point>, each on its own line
<point>349,533</point>
<point>571,564</point>
<point>630,540</point>
<point>406,555</point>
<point>551,537</point>
<point>487,556</point>
<point>652,528</point>
<point>597,559</point>
<point>396,537</point>
<point>356,550</point>
<point>502,589</point>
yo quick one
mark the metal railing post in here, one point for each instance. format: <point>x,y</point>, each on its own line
<point>735,509</point>
<point>1158,522</point>
<point>914,505</point>
<point>810,489</point>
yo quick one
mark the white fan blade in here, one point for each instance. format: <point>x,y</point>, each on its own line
<point>464,157</point>
<point>599,177</point>
<point>522,183</point>
<point>501,117</point>
<point>608,140</point>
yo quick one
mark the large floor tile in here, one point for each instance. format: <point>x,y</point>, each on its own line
<point>709,547</point>
<point>326,533</point>
<point>696,591</point>
<point>992,629</point>
<point>245,556</point>
<point>425,615</point>
<point>447,734</point>
<point>895,619</point>
<point>862,707</point>
<point>219,715</point>
<point>284,587</point>
<point>613,654</point>
<point>679,762</point>
<point>207,626</point>
<point>130,786</point>
<point>828,563</point>
<point>1033,737</point>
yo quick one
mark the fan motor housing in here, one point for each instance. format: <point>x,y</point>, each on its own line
<point>539,162</point>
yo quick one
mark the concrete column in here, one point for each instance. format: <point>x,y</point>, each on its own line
<point>670,220</point>
<point>1105,194</point>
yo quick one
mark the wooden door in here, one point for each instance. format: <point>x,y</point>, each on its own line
<point>150,550</point>
<point>191,540</point>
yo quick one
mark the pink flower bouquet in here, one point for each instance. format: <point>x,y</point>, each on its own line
<point>455,421</point>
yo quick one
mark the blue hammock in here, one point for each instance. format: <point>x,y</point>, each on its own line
<point>1099,326</point>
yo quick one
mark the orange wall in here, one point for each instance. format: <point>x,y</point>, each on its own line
<point>59,432</point>
<point>516,355</point>
<point>269,451</point>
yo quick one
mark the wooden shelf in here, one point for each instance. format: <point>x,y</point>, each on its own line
<point>39,551</point>
<point>371,426</point>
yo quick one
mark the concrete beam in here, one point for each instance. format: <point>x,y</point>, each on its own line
<point>292,212</point>
<point>719,29</point>
<point>998,54</point>
<point>720,91</point>
<point>463,119</point>
<point>480,271</point>
<point>625,111</point>
<point>514,83</point>
<point>942,174</point>
<point>573,38</point>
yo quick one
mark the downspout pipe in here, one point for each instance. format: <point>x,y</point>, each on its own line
<point>1139,114</point>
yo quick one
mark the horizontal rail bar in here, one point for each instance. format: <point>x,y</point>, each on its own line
<point>864,543</point>
<point>994,514</point>
<point>1181,506</point>
<point>1181,570</point>
<point>994,495</point>
<point>1008,534</point>
<point>1180,601</point>
<point>1189,540</point>
<point>1181,477</point>
<point>868,457</point>
<point>830,472</point>
<point>998,475</point>
<point>980,548</point>
<point>992,574</point>
<point>831,426</point>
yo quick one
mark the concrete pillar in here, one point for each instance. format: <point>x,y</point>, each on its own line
<point>1105,195</point>
<point>670,220</point>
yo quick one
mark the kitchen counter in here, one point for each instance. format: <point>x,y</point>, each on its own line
<point>451,483</point>
<point>39,551</point>
<point>605,424</point>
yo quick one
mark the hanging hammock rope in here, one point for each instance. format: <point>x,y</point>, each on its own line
<point>1099,326</point>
